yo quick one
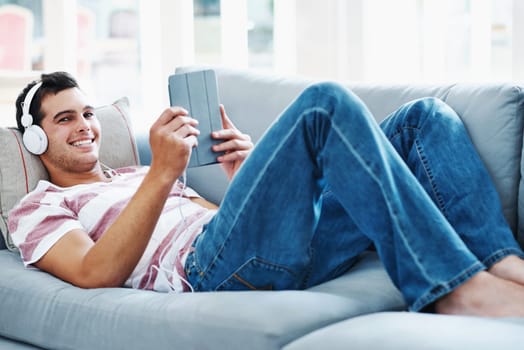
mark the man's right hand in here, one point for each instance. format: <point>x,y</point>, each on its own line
<point>172,137</point>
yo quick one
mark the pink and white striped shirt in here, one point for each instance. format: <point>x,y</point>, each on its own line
<point>49,212</point>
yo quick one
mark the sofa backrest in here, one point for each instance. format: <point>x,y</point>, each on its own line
<point>493,115</point>
<point>20,171</point>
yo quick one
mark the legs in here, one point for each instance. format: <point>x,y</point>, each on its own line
<point>433,142</point>
<point>270,222</point>
<point>332,257</point>
<point>261,238</point>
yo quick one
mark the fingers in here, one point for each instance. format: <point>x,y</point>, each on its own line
<point>230,134</point>
<point>236,145</point>
<point>233,145</point>
<point>233,156</point>
<point>191,141</point>
<point>226,122</point>
<point>236,149</point>
<point>168,115</point>
<point>184,126</point>
<point>175,120</point>
<point>172,138</point>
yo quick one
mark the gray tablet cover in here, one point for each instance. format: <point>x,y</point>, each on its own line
<point>197,92</point>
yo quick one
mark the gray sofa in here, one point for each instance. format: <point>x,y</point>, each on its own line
<point>360,310</point>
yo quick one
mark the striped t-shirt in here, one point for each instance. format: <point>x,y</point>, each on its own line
<point>49,212</point>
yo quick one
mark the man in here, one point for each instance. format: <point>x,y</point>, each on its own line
<point>322,185</point>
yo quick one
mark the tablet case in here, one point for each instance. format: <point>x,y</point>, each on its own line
<point>197,92</point>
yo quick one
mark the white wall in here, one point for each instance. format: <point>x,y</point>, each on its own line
<point>358,40</point>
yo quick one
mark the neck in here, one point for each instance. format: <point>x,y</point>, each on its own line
<point>68,179</point>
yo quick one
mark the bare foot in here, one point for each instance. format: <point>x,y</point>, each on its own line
<point>484,295</point>
<point>510,268</point>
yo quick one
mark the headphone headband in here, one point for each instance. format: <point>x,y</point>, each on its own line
<point>29,98</point>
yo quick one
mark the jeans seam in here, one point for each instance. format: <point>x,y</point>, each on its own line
<point>429,174</point>
<point>392,211</point>
<point>500,254</point>
<point>268,265</point>
<point>423,160</point>
<point>309,269</point>
<point>444,288</point>
<point>269,161</point>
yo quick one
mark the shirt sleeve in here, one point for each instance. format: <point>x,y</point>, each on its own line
<point>36,225</point>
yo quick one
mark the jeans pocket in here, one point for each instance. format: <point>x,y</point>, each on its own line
<point>258,274</point>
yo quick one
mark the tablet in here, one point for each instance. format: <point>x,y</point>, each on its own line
<point>197,92</point>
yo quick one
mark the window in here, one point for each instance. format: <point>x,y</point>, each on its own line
<point>129,47</point>
<point>108,54</point>
<point>98,43</point>
<point>207,31</point>
<point>260,34</point>
<point>20,51</point>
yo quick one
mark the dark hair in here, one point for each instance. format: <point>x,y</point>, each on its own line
<point>52,83</point>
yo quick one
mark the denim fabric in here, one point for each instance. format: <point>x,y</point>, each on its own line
<point>325,182</point>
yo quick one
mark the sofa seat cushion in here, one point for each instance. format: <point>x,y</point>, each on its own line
<point>50,313</point>
<point>404,330</point>
<point>9,344</point>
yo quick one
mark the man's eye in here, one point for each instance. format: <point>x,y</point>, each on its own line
<point>89,115</point>
<point>64,119</point>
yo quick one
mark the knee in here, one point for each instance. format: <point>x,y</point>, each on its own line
<point>430,110</point>
<point>336,99</point>
<point>328,87</point>
<point>320,92</point>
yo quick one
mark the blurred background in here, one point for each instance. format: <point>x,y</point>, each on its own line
<point>129,47</point>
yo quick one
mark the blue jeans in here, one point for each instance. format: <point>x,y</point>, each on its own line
<point>326,182</point>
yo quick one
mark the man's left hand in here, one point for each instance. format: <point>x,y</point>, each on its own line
<point>236,145</point>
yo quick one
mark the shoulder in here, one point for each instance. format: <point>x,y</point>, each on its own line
<point>42,188</point>
<point>44,194</point>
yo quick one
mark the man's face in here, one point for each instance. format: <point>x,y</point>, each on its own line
<point>73,132</point>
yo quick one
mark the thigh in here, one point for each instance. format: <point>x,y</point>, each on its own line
<point>337,242</point>
<point>261,236</point>
<point>272,224</point>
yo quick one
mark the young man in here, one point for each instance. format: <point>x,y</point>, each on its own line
<point>323,184</point>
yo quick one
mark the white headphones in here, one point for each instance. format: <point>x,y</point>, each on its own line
<point>34,138</point>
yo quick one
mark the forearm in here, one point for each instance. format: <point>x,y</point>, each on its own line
<point>115,255</point>
<point>110,260</point>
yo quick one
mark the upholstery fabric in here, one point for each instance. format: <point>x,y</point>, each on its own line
<point>8,344</point>
<point>52,314</point>
<point>403,330</point>
<point>20,171</point>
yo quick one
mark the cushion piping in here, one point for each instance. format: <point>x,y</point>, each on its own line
<point>130,135</point>
<point>23,161</point>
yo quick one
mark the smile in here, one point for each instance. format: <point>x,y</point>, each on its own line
<point>82,143</point>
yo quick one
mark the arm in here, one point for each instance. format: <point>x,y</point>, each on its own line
<point>236,145</point>
<point>204,203</point>
<point>109,262</point>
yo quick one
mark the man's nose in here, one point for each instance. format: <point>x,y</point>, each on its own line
<point>83,124</point>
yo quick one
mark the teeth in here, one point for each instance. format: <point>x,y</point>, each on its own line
<point>81,143</point>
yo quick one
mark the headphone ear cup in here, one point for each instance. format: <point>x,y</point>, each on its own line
<point>35,139</point>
